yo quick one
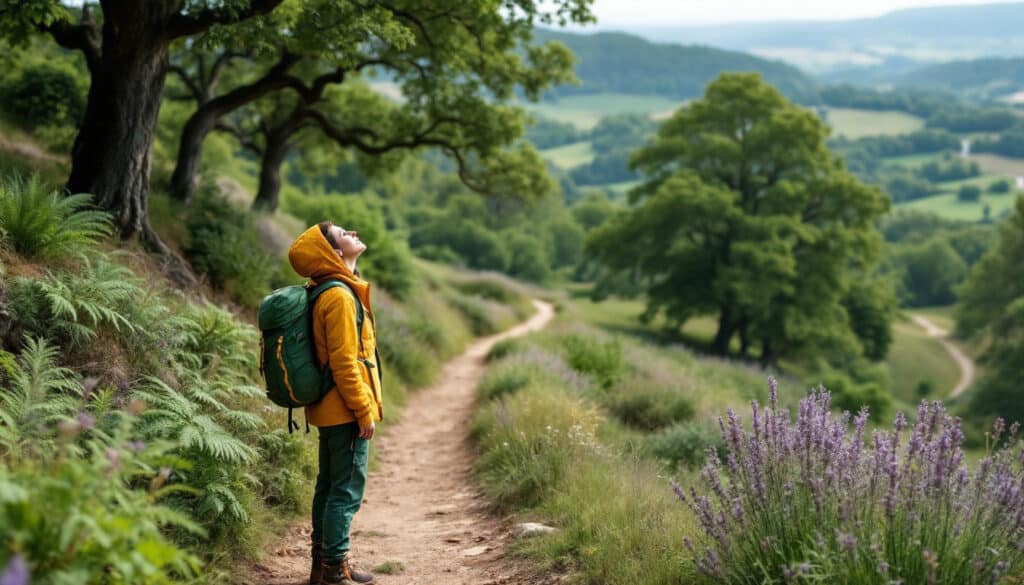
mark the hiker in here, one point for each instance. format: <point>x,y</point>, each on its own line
<point>345,417</point>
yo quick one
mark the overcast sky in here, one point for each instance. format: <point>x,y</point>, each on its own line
<point>618,13</point>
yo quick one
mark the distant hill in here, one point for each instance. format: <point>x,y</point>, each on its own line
<point>627,64</point>
<point>931,34</point>
<point>986,78</point>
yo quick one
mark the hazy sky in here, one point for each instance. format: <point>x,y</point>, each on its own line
<point>612,13</point>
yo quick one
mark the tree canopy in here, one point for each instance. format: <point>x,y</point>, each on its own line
<point>746,215</point>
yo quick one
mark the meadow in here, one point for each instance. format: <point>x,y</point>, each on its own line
<point>853,123</point>
<point>586,110</point>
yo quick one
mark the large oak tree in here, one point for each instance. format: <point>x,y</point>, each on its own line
<point>480,50</point>
<point>745,215</point>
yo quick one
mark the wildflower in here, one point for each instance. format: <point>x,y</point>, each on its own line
<point>113,459</point>
<point>847,542</point>
<point>136,446</point>
<point>136,407</point>
<point>883,568</point>
<point>16,572</point>
<point>86,420</point>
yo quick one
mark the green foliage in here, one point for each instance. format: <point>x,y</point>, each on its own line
<point>72,307</point>
<point>615,62</point>
<point>996,281</point>
<point>483,316</point>
<point>930,272</point>
<point>223,244</point>
<point>46,95</point>
<point>39,222</point>
<point>644,404</point>
<point>505,348</point>
<point>602,359</point>
<point>505,379</point>
<point>686,443</point>
<point>530,440</point>
<point>386,261</point>
<point>771,254</point>
<point>851,396</point>
<point>1000,187</point>
<point>74,501</point>
<point>527,257</point>
<point>998,392</point>
<point>969,194</point>
<point>871,305</point>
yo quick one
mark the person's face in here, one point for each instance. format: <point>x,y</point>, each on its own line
<point>348,242</point>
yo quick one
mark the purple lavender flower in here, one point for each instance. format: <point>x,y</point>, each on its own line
<point>16,572</point>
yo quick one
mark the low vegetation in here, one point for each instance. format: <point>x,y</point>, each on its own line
<point>135,443</point>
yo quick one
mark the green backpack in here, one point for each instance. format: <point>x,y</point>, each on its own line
<point>288,360</point>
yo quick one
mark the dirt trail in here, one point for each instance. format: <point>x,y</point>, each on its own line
<point>966,364</point>
<point>422,507</point>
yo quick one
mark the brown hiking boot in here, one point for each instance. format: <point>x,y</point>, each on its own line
<point>316,571</point>
<point>340,572</point>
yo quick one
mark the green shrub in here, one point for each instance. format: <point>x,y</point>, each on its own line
<point>685,443</point>
<point>505,348</point>
<point>505,378</point>
<point>40,222</point>
<point>223,244</point>
<point>45,94</point>
<point>530,440</point>
<point>645,405</point>
<point>80,498</point>
<point>1000,186</point>
<point>527,257</point>
<point>851,396</point>
<point>602,359</point>
<point>969,193</point>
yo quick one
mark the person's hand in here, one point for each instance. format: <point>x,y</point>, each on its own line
<point>367,431</point>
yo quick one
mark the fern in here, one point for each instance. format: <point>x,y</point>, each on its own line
<point>42,223</point>
<point>40,395</point>
<point>73,306</point>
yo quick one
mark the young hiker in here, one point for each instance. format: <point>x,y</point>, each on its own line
<point>345,416</point>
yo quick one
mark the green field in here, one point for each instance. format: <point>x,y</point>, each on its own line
<point>947,205</point>
<point>570,156</point>
<point>857,123</point>
<point>914,357</point>
<point>586,110</point>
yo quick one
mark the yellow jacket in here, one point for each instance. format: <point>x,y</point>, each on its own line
<point>356,395</point>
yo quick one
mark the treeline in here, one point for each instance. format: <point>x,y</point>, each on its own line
<point>624,63</point>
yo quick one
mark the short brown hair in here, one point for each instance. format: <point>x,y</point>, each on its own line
<point>325,229</point>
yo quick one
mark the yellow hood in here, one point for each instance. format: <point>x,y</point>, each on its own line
<point>311,256</point>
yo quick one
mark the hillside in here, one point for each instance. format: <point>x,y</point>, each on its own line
<point>989,77</point>
<point>925,34</point>
<point>627,64</point>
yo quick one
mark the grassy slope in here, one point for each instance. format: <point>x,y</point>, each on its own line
<point>913,356</point>
<point>586,110</point>
<point>853,123</point>
<point>570,155</point>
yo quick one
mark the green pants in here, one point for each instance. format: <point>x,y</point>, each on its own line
<point>339,487</point>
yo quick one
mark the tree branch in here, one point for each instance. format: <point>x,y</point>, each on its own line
<point>183,25</point>
<point>190,83</point>
<point>84,36</point>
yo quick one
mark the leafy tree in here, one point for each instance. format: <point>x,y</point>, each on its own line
<point>930,272</point>
<point>127,48</point>
<point>996,281</point>
<point>1000,385</point>
<point>747,216</point>
<point>999,187</point>
<point>453,66</point>
<point>969,194</point>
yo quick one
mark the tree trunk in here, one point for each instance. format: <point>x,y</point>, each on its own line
<point>726,329</point>
<point>111,154</point>
<point>744,327</point>
<point>769,356</point>
<point>270,172</point>
<point>190,152</point>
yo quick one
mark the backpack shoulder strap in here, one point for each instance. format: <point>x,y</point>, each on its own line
<point>316,291</point>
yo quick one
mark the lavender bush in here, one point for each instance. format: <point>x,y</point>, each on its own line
<point>811,500</point>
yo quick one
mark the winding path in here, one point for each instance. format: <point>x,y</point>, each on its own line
<point>966,363</point>
<point>422,507</point>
